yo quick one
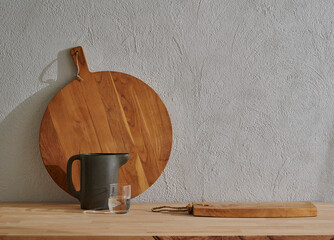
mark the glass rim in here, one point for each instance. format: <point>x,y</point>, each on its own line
<point>120,184</point>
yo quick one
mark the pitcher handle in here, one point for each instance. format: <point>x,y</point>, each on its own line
<point>69,175</point>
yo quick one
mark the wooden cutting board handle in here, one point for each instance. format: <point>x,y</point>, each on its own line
<point>81,63</point>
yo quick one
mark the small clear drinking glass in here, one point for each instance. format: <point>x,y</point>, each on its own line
<point>119,199</point>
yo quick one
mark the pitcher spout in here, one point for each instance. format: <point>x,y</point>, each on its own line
<point>123,158</point>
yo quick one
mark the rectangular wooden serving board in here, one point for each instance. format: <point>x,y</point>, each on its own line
<point>255,210</point>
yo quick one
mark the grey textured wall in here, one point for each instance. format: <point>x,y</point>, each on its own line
<point>248,85</point>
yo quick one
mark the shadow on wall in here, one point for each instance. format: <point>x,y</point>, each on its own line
<point>325,188</point>
<point>23,176</point>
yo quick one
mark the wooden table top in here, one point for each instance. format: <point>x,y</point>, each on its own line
<point>68,221</point>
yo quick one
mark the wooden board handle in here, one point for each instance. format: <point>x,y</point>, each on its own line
<point>82,63</point>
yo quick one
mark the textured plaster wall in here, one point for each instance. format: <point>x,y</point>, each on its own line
<point>249,86</point>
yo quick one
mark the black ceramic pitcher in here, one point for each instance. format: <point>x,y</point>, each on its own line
<point>98,171</point>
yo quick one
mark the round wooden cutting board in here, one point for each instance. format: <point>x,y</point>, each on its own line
<point>106,112</point>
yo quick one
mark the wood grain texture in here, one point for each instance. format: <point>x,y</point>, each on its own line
<point>68,221</point>
<point>323,237</point>
<point>255,210</point>
<point>107,112</point>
